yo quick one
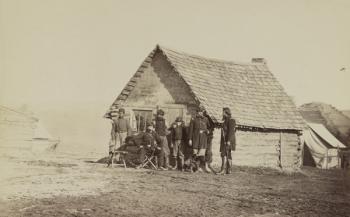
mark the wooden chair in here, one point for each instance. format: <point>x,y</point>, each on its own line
<point>122,155</point>
<point>148,161</point>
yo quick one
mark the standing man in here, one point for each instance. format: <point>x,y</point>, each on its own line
<point>162,130</point>
<point>177,131</point>
<point>198,138</point>
<point>120,130</point>
<point>209,151</point>
<point>228,141</point>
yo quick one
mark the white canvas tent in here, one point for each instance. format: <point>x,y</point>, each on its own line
<point>22,131</point>
<point>322,145</point>
<point>41,132</point>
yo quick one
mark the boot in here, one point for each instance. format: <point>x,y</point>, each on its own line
<point>229,167</point>
<point>182,163</point>
<point>200,160</point>
<point>160,161</point>
<point>211,169</point>
<point>156,162</point>
<point>166,163</point>
<point>175,164</point>
<point>223,166</point>
<point>191,165</point>
<point>198,164</point>
<point>110,160</point>
<point>206,167</point>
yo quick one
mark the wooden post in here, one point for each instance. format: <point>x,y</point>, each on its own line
<point>301,144</point>
<point>145,118</point>
<point>138,123</point>
<point>338,156</point>
<point>280,151</point>
<point>327,159</point>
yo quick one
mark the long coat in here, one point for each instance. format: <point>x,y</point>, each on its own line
<point>160,126</point>
<point>198,132</point>
<point>228,133</point>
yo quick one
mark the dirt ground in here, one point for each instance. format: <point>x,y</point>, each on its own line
<point>57,185</point>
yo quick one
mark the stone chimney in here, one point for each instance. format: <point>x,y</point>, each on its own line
<point>259,60</point>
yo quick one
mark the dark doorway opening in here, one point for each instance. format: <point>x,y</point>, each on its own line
<point>142,117</point>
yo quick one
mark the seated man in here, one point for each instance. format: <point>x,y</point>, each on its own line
<point>141,144</point>
<point>151,142</point>
<point>132,146</point>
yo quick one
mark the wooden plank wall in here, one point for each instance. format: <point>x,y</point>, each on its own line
<point>291,151</point>
<point>260,149</point>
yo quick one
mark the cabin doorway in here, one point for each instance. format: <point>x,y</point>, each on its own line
<point>142,117</point>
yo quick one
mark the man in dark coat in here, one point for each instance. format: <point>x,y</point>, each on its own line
<point>177,132</point>
<point>228,141</point>
<point>198,137</point>
<point>209,151</point>
<point>149,142</point>
<point>162,130</point>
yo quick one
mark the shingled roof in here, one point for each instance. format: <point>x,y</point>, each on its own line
<point>253,94</point>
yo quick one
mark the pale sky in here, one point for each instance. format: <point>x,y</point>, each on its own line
<point>74,53</point>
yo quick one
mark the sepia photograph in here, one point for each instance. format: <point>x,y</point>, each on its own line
<point>234,108</point>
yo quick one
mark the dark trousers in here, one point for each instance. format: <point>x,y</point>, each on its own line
<point>209,151</point>
<point>228,153</point>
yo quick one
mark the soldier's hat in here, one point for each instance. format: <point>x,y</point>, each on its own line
<point>149,125</point>
<point>201,109</point>
<point>121,110</point>
<point>178,119</point>
<point>227,111</point>
<point>160,112</point>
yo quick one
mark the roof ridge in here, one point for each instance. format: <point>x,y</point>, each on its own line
<point>215,83</point>
<point>132,81</point>
<point>208,58</point>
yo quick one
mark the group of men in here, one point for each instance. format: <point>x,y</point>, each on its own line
<point>190,147</point>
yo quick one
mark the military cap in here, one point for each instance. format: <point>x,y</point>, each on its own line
<point>160,112</point>
<point>149,125</point>
<point>201,108</point>
<point>178,119</point>
<point>227,111</point>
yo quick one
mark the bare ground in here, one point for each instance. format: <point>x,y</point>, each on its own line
<point>56,186</point>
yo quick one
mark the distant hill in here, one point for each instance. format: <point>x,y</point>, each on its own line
<point>336,121</point>
<point>80,129</point>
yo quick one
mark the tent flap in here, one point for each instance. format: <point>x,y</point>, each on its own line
<point>321,131</point>
<point>316,138</point>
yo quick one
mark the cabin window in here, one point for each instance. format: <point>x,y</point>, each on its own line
<point>141,117</point>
